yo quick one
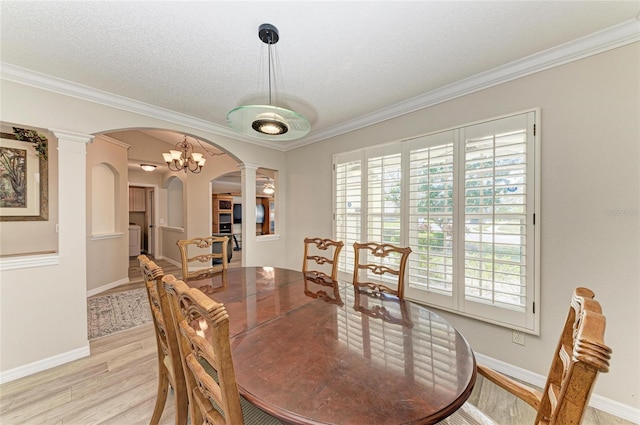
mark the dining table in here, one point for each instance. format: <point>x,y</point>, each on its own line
<point>315,354</point>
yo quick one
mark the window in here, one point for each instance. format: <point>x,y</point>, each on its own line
<point>465,201</point>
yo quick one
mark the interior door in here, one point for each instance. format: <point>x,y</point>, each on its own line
<point>150,220</point>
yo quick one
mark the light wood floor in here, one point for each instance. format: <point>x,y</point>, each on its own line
<point>116,385</point>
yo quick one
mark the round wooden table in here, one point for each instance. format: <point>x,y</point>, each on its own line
<point>311,354</point>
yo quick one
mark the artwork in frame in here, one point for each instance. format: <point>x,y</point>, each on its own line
<point>24,187</point>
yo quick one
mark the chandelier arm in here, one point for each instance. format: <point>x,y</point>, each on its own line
<point>190,163</point>
<point>175,165</point>
<point>208,150</point>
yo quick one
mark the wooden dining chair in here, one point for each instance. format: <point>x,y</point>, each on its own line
<point>169,364</point>
<point>206,263</point>
<point>203,335</point>
<point>320,263</point>
<point>580,356</point>
<point>384,262</point>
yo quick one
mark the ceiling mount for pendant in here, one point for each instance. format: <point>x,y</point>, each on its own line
<point>268,34</point>
<point>268,122</point>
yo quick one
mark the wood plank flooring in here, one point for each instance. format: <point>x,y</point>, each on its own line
<point>117,384</point>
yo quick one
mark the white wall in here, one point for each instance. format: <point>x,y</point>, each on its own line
<point>590,201</point>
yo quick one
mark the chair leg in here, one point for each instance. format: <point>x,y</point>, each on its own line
<point>181,406</point>
<point>161,396</point>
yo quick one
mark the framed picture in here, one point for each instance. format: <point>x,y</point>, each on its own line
<point>24,186</point>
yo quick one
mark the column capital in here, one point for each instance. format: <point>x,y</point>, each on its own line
<point>72,136</point>
<point>247,166</point>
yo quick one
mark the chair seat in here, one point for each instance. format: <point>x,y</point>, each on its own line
<point>251,414</point>
<point>254,416</point>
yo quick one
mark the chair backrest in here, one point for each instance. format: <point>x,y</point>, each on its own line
<point>168,350</point>
<point>206,355</point>
<point>581,354</point>
<point>385,262</point>
<point>204,260</point>
<point>320,263</point>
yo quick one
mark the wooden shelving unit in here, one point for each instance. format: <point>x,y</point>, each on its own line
<point>137,199</point>
<point>265,227</point>
<point>222,219</point>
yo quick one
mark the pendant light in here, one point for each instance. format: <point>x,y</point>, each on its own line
<point>268,122</point>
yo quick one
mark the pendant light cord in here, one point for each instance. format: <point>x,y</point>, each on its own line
<point>269,53</point>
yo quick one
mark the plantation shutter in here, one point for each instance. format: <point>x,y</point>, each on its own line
<point>384,205</point>
<point>431,217</point>
<point>498,205</point>
<point>348,208</point>
<point>384,184</point>
<point>464,200</point>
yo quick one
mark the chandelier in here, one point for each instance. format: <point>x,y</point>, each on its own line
<point>183,158</point>
<point>269,188</point>
<point>268,122</point>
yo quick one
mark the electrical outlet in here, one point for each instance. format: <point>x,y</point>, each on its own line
<point>517,337</point>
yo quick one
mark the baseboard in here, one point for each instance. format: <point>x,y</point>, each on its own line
<point>169,260</point>
<point>596,401</point>
<point>40,365</point>
<point>106,287</point>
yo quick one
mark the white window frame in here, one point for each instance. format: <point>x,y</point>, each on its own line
<point>525,318</point>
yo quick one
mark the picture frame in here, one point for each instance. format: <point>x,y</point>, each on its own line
<point>24,179</point>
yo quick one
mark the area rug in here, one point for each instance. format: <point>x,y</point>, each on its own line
<point>113,313</point>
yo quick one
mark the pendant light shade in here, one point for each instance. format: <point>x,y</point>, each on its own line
<point>268,122</point>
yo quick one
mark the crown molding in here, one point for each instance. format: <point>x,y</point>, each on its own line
<point>598,42</point>
<point>10,72</point>
<point>620,35</point>
<point>114,141</point>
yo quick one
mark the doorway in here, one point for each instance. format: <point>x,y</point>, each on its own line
<point>143,213</point>
<point>150,219</point>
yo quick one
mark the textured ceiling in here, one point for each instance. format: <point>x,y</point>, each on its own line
<point>337,60</point>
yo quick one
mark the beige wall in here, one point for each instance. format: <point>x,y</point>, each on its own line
<point>108,251</point>
<point>590,201</point>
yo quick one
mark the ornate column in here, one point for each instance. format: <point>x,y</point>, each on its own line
<point>72,215</point>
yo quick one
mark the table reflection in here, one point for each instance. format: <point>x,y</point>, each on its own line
<point>320,288</point>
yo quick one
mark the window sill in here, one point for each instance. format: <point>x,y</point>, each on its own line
<point>267,238</point>
<point>173,229</point>
<point>29,261</point>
